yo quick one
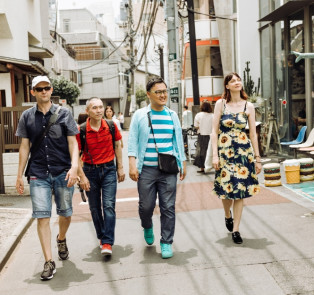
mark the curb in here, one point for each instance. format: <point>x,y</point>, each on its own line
<point>15,238</point>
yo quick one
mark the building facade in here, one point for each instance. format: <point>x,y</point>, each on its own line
<point>100,64</point>
<point>287,82</point>
<point>24,43</point>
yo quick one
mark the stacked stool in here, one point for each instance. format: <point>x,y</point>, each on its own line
<point>306,169</point>
<point>272,174</point>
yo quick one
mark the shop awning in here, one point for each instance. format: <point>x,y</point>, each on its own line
<point>285,10</point>
<point>25,66</point>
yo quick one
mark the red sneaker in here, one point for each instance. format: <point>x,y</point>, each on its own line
<point>106,249</point>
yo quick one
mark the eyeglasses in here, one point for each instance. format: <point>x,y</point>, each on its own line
<point>40,89</point>
<point>160,92</point>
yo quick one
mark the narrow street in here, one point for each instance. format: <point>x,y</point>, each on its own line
<point>275,258</point>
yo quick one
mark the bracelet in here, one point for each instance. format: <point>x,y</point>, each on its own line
<point>257,156</point>
<point>259,162</point>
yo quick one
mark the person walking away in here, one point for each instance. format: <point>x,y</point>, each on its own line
<point>53,167</point>
<point>99,174</point>
<point>156,126</point>
<point>121,119</point>
<point>203,122</point>
<point>187,122</point>
<point>187,118</point>
<point>233,156</point>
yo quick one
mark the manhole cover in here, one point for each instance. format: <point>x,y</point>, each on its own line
<point>6,205</point>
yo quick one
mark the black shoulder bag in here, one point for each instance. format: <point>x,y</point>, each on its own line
<point>35,146</point>
<point>166,163</point>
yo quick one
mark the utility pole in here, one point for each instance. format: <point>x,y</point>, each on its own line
<point>145,57</point>
<point>173,57</point>
<point>196,95</point>
<point>161,59</point>
<point>131,60</point>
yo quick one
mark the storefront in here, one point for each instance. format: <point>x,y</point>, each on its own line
<point>288,83</point>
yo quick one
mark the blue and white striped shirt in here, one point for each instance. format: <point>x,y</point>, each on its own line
<point>163,130</point>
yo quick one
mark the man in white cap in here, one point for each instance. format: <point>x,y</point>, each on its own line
<point>52,167</point>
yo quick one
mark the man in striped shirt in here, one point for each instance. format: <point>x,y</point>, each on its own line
<point>156,125</point>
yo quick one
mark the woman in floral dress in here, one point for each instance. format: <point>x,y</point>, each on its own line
<point>233,157</point>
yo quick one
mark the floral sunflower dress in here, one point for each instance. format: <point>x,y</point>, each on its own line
<point>236,177</point>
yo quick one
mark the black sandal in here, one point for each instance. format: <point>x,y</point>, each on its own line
<point>229,223</point>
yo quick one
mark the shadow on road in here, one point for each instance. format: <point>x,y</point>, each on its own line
<point>257,244</point>
<point>118,252</point>
<point>63,278</point>
<point>179,258</point>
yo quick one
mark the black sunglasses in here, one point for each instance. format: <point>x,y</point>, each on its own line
<point>40,89</point>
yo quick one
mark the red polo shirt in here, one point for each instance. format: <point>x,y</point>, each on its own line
<point>99,143</point>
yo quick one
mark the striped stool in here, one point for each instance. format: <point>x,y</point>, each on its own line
<point>306,169</point>
<point>272,174</point>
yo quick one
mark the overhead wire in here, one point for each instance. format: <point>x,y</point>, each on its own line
<point>151,25</point>
<point>146,18</point>
<point>101,61</point>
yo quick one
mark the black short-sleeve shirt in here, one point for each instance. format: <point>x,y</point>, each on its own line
<point>53,155</point>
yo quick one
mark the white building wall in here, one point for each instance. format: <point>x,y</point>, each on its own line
<point>107,89</point>
<point>61,63</point>
<point>81,20</point>
<point>24,21</point>
<point>249,42</point>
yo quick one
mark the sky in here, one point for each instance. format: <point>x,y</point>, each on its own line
<point>67,4</point>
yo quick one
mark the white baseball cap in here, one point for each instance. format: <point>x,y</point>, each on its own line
<point>39,79</point>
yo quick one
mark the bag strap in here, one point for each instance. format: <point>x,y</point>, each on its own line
<point>35,146</point>
<point>151,127</point>
<point>112,131</point>
<point>52,120</point>
<point>84,146</point>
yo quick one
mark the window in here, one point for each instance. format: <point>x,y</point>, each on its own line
<point>265,57</point>
<point>73,76</point>
<point>97,80</point>
<point>79,78</point>
<point>66,25</point>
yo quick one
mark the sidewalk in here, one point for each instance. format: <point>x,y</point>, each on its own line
<point>275,258</point>
<point>15,219</point>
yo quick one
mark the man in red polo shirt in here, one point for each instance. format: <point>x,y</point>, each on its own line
<point>99,175</point>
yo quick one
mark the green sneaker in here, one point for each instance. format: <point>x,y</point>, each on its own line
<point>166,250</point>
<point>149,235</point>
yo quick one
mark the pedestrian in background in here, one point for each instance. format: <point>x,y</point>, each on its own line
<point>156,126</point>
<point>110,115</point>
<point>233,156</point>
<point>203,123</point>
<point>121,119</point>
<point>82,117</point>
<point>99,175</point>
<point>53,167</point>
<point>187,118</point>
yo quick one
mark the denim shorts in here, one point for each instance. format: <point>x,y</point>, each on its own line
<point>41,195</point>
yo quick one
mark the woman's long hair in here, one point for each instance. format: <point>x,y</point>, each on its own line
<point>227,95</point>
